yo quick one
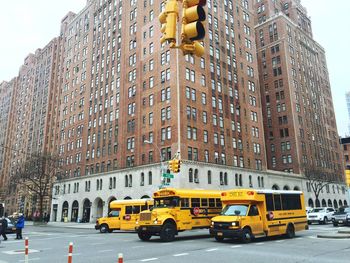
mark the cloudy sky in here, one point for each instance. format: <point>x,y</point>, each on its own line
<point>30,24</point>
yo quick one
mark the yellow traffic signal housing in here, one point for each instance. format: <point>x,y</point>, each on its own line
<point>192,26</point>
<point>168,18</point>
<point>171,164</point>
<point>176,166</point>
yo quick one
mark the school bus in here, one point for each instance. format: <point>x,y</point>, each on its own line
<point>177,210</point>
<point>123,215</point>
<point>249,214</point>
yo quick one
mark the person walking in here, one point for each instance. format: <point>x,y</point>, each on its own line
<point>19,226</point>
<point>4,225</point>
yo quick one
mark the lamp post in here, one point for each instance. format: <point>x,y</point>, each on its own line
<point>161,161</point>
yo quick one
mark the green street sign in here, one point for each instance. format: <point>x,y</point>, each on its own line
<point>166,184</point>
<point>166,175</point>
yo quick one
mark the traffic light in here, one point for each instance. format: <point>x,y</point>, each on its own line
<point>176,166</point>
<point>171,164</point>
<point>168,18</point>
<point>192,26</point>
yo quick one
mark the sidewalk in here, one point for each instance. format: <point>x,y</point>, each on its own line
<point>66,225</point>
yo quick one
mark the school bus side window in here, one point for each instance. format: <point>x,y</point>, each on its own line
<point>269,202</point>
<point>144,207</point>
<point>136,209</point>
<point>211,202</point>
<point>277,201</point>
<point>253,211</point>
<point>204,201</point>
<point>218,203</point>
<point>128,209</point>
<point>195,202</point>
<point>291,201</point>
<point>184,202</point>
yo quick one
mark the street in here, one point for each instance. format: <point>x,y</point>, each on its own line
<point>50,244</point>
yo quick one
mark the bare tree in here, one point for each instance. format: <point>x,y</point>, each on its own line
<point>37,175</point>
<point>317,179</point>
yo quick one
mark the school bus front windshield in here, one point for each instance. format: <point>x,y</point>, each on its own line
<point>235,210</point>
<point>166,202</point>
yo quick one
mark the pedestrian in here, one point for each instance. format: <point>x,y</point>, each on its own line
<point>19,226</point>
<point>4,225</point>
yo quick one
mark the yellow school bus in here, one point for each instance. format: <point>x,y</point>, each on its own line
<point>123,215</point>
<point>248,214</point>
<point>177,210</point>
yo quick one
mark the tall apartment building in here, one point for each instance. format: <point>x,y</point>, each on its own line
<point>30,120</point>
<point>6,97</point>
<point>122,87</point>
<point>299,119</point>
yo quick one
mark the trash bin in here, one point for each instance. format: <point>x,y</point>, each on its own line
<point>66,219</point>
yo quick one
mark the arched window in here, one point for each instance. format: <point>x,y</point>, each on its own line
<point>296,188</point>
<point>114,182</point>
<point>275,187</point>
<point>324,204</point>
<point>335,204</point>
<point>130,180</point>
<point>142,179</point>
<point>262,182</point>
<point>221,179</point>
<point>236,179</point>
<point>225,179</point>
<point>209,177</point>
<point>150,178</point>
<point>97,184</point>
<point>110,183</point>
<point>286,187</point>
<point>240,180</point>
<point>258,181</point>
<point>340,203</point>
<point>345,203</point>
<point>126,181</point>
<point>318,203</point>
<point>310,203</point>
<point>196,178</point>
<point>250,181</point>
<point>330,203</point>
<point>190,175</point>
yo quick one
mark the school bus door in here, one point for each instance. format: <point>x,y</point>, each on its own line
<point>254,220</point>
<point>114,219</point>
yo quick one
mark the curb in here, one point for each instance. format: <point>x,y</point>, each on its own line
<point>335,236</point>
<point>344,232</point>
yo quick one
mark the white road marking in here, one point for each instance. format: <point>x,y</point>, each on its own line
<point>148,259</point>
<point>211,249</point>
<point>166,244</point>
<point>312,237</point>
<point>95,244</point>
<point>29,259</point>
<point>260,243</point>
<point>179,255</point>
<point>279,241</point>
<point>236,246</point>
<point>131,247</point>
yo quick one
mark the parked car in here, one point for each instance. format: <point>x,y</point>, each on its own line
<point>11,226</point>
<point>321,215</point>
<point>342,216</point>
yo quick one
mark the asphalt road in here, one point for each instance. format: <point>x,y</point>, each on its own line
<point>50,245</point>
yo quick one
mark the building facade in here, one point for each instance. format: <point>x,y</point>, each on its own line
<point>115,105</point>
<point>299,120</point>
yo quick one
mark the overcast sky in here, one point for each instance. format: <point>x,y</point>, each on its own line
<point>30,24</point>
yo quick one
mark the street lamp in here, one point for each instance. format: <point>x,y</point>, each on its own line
<point>160,158</point>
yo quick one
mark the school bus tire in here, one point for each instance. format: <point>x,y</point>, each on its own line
<point>168,232</point>
<point>104,228</point>
<point>144,236</point>
<point>290,232</point>
<point>247,235</point>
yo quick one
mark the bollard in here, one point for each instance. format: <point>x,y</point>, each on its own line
<point>120,258</point>
<point>70,252</point>
<point>26,250</point>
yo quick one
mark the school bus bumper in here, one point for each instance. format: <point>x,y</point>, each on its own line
<point>228,233</point>
<point>149,229</point>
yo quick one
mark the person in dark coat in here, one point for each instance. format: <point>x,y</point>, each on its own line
<point>4,225</point>
<point>19,226</point>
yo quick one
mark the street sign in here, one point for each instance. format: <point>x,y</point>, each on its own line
<point>166,184</point>
<point>166,175</point>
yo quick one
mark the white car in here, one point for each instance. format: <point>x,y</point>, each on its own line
<point>321,215</point>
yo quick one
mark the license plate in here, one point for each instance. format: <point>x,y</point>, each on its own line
<point>144,228</point>
<point>340,221</point>
<point>219,234</point>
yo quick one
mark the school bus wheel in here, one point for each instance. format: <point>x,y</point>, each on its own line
<point>144,236</point>
<point>247,235</point>
<point>290,233</point>
<point>104,228</point>
<point>168,232</point>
